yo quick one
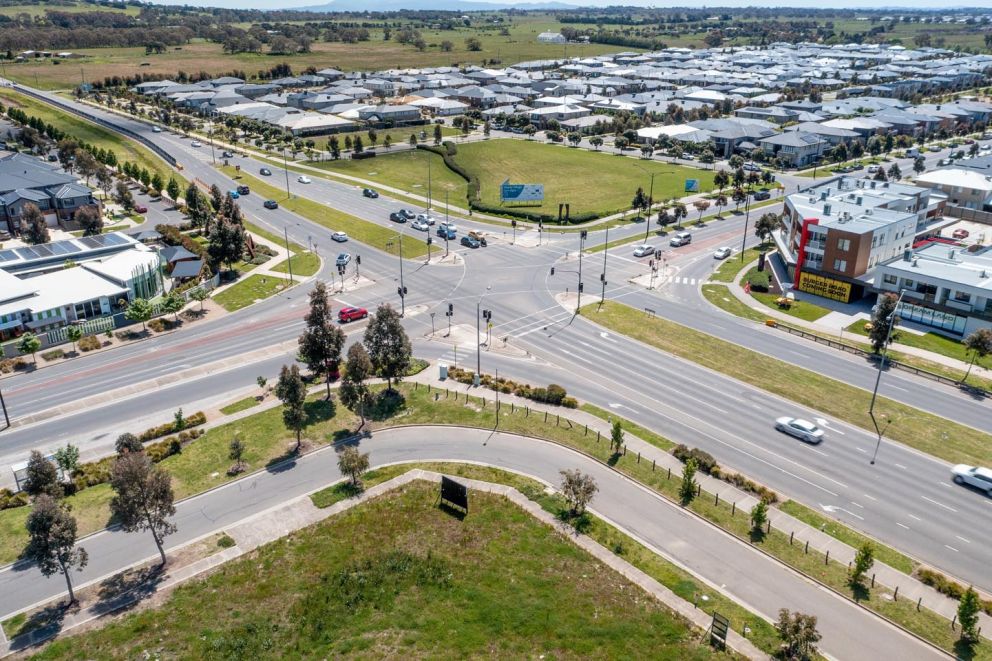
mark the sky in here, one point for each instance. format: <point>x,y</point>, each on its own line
<point>819,4</point>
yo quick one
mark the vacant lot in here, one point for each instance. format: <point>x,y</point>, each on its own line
<point>401,573</point>
<point>406,170</point>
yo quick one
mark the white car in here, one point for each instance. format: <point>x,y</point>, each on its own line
<point>303,179</point>
<point>340,237</point>
<point>722,253</point>
<point>156,129</point>
<point>420,225</point>
<point>872,169</point>
<point>426,217</point>
<point>195,143</point>
<point>643,250</point>
<point>974,476</point>
<point>804,430</point>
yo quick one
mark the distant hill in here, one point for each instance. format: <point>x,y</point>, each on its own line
<point>437,5</point>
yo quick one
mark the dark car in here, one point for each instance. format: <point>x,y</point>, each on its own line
<point>407,214</point>
<point>243,190</point>
<point>141,208</point>
<point>471,242</point>
<point>227,154</point>
<point>351,314</point>
<point>762,195</point>
<point>265,171</point>
<point>271,204</point>
<point>397,217</point>
<point>368,192</point>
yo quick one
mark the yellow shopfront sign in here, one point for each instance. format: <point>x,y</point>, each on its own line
<point>826,287</point>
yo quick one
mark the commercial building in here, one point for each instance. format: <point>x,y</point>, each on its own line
<point>964,187</point>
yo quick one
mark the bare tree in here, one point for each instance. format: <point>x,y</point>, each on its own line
<point>578,490</point>
<point>144,498</point>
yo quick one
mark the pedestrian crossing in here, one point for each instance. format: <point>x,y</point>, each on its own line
<point>680,280</point>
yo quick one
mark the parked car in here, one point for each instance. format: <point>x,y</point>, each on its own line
<point>944,161</point>
<point>195,143</point>
<point>751,167</point>
<point>470,242</point>
<point>762,195</point>
<point>804,430</point>
<point>680,239</point>
<point>271,204</point>
<point>343,259</point>
<point>643,250</point>
<point>872,169</point>
<point>420,225</point>
<point>479,236</point>
<point>141,208</point>
<point>973,476</point>
<point>243,190</point>
<point>340,237</point>
<point>933,148</point>
<point>397,217</point>
<point>426,217</point>
<point>722,253</point>
<point>156,129</point>
<point>303,179</point>
<point>960,233</point>
<point>351,314</point>
<point>368,192</point>
<point>265,172</point>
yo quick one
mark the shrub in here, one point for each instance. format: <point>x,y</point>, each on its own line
<point>54,354</point>
<point>197,418</point>
<point>947,587</point>
<point>89,343</point>
<point>704,460</point>
<point>553,394</point>
<point>157,325</point>
<point>759,280</point>
<point>744,484</point>
<point>260,259</point>
<point>10,500</point>
<point>12,364</point>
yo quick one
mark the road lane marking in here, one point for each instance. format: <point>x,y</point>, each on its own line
<point>951,547</point>
<point>902,525</point>
<point>946,507</point>
<point>966,541</point>
<point>915,517</point>
<point>869,497</point>
<point>900,466</point>
<point>857,504</point>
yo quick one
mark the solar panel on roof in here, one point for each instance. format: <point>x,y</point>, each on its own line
<point>43,250</point>
<point>70,247</point>
<point>58,248</point>
<point>89,242</point>
<point>114,239</point>
<point>7,255</point>
<point>26,253</point>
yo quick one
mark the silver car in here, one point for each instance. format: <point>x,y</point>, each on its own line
<point>804,430</point>
<point>973,476</point>
<point>643,250</point>
<point>420,225</point>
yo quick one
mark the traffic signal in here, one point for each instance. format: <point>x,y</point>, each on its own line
<point>583,234</point>
<point>358,259</point>
<point>401,291</point>
<point>552,270</point>
<point>580,288</point>
<point>602,278</point>
<point>513,223</point>
<point>651,263</point>
<point>430,240</point>
<point>451,308</point>
<point>657,253</point>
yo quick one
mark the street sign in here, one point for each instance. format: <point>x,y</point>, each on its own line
<point>692,185</point>
<point>718,630</point>
<point>521,192</point>
<point>454,493</point>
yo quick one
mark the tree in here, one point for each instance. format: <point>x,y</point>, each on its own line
<point>621,143</point>
<point>172,189</point>
<point>29,343</point>
<point>759,516</point>
<point>413,139</point>
<point>881,319</point>
<point>357,145</point>
<point>616,437</point>
<point>73,333</point>
<point>765,225</point>
<point>139,310</point>
<point>123,197</point>
<point>679,212</point>
<point>156,182</point>
<point>720,202</point>
<point>864,559</point>
<point>880,175</point>
<point>143,497</point>
<point>979,345</point>
<point>173,303</point>
<point>199,295</point>
<point>721,179</point>
<point>739,197</point>
<point>354,391</point>
<point>919,165</point>
<point>473,44</point>
<point>322,340</point>
<point>446,46</point>
<point>52,541</point>
<point>687,491</point>
<point>353,463</point>
<point>86,165</point>
<point>41,477</point>
<point>578,490</point>
<point>438,135</point>
<point>596,142</point>
<point>895,174</point>
<point>640,201</point>
<point>67,459</point>
<point>227,244</point>
<point>33,225</point>
<point>293,393</point>
<point>701,207</point>
<point>387,344</point>
<point>89,220</point>
<point>798,634</point>
<point>126,443</point>
<point>216,197</point>
<point>236,453</point>
<point>968,609</point>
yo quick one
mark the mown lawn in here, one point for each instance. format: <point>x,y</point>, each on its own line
<point>249,290</point>
<point>405,170</point>
<point>304,264</point>
<point>400,573</point>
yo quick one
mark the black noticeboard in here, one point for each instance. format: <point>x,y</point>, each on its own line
<point>454,493</point>
<point>718,630</point>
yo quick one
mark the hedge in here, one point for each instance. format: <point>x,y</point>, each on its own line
<point>707,464</point>
<point>554,394</point>
<point>759,280</point>
<point>947,587</point>
<point>704,460</point>
<point>197,418</point>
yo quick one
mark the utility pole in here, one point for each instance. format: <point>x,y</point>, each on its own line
<point>478,336</point>
<point>513,224</point>
<point>647,222</point>
<point>606,248</point>
<point>430,240</point>
<point>285,167</point>
<point>429,201</point>
<point>747,215</point>
<point>210,134</point>
<point>582,240</point>
<point>893,318</point>
<point>402,288</point>
<point>449,314</point>
<point>3,404</point>
<point>289,253</point>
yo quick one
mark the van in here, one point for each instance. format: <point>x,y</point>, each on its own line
<point>912,152</point>
<point>680,239</point>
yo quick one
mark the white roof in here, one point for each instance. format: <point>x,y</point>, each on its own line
<point>672,131</point>
<point>122,266</point>
<point>59,289</point>
<point>12,287</point>
<point>962,177</point>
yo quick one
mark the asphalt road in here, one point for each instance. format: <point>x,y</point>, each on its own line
<point>747,575</point>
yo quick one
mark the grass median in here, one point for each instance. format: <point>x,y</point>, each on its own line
<point>250,290</point>
<point>304,264</point>
<point>918,429</point>
<point>377,236</point>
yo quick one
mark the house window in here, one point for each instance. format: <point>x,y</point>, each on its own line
<point>843,245</point>
<point>840,265</point>
<point>889,279</point>
<point>962,297</point>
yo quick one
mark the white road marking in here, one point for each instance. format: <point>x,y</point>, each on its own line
<point>869,497</point>
<point>902,526</point>
<point>861,450</point>
<point>900,466</point>
<point>950,547</point>
<point>915,517</point>
<point>857,504</point>
<point>963,539</point>
<point>946,507</point>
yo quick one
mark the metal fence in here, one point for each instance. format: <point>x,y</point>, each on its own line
<point>89,327</point>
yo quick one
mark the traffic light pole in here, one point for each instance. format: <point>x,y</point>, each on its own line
<point>582,240</point>
<point>402,288</point>
<point>605,250</point>
<point>6,417</point>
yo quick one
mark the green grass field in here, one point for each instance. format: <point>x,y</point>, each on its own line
<point>400,573</point>
<point>405,170</point>
<point>304,264</point>
<point>248,290</point>
<point>125,149</point>
<point>240,405</point>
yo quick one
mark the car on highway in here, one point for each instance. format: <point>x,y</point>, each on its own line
<point>944,161</point>
<point>420,225</point>
<point>933,148</point>
<point>270,204</point>
<point>426,217</point>
<point>226,154</point>
<point>234,194</point>
<point>479,236</point>
<point>680,239</point>
<point>397,217</point>
<point>872,169</point>
<point>973,476</point>
<point>368,192</point>
<point>156,129</point>
<point>722,253</point>
<point>141,208</point>
<point>265,172</point>
<point>343,259</point>
<point>351,314</point>
<point>407,214</point>
<point>243,190</point>
<point>470,242</point>
<point>340,237</point>
<point>762,195</point>
<point>804,430</point>
<point>195,143</point>
<point>303,179</point>
<point>446,231</point>
<point>643,250</point>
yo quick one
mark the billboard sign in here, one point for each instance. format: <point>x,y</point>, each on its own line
<point>826,287</point>
<point>692,185</point>
<point>454,493</point>
<point>521,192</point>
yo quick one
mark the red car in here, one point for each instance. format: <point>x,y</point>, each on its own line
<point>141,208</point>
<point>351,314</point>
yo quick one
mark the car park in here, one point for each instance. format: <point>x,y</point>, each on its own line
<point>722,253</point>
<point>973,476</point>
<point>680,239</point>
<point>368,192</point>
<point>243,190</point>
<point>303,179</point>
<point>762,195</point>
<point>265,172</point>
<point>804,430</point>
<point>340,237</point>
<point>351,314</point>
<point>271,204</point>
<point>343,259</point>
<point>420,225</point>
<point>470,242</point>
<point>397,217</point>
<point>195,143</point>
<point>643,250</point>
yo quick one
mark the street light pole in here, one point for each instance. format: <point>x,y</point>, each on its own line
<point>211,136</point>
<point>893,318</point>
<point>606,247</point>
<point>3,404</point>
<point>285,167</point>
<point>402,288</point>
<point>647,221</point>
<point>582,240</point>
<point>747,215</point>
<point>478,335</point>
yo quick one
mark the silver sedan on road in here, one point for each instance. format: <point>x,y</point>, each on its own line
<point>804,430</point>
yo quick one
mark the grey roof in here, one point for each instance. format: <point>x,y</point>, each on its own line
<point>23,194</point>
<point>187,269</point>
<point>72,190</point>
<point>20,171</point>
<point>175,253</point>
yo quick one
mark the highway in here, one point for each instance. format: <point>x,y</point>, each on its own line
<point>906,499</point>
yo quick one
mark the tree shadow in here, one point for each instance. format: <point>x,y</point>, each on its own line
<point>284,462</point>
<point>320,410</point>
<point>756,535</point>
<point>613,459</point>
<point>581,523</point>
<point>964,649</point>
<point>859,592</point>
<point>40,626</point>
<point>387,404</point>
<point>974,392</point>
<point>128,588</point>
